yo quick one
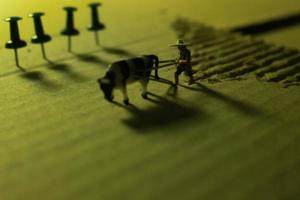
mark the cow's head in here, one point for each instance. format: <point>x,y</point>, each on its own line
<point>106,86</point>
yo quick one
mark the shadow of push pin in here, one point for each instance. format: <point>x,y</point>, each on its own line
<point>95,25</point>
<point>15,42</point>
<point>40,37</point>
<point>70,29</point>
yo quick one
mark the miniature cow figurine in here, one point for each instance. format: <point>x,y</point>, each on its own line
<point>125,72</point>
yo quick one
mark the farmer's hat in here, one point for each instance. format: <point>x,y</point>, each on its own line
<point>180,43</point>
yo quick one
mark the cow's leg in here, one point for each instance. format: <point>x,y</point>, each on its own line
<point>156,73</point>
<point>125,96</point>
<point>144,83</point>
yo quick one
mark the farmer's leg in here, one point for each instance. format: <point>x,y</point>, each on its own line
<point>180,69</point>
<point>189,72</point>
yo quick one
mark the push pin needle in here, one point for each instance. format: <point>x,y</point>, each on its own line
<point>15,42</point>
<point>40,37</point>
<point>70,29</point>
<point>95,25</point>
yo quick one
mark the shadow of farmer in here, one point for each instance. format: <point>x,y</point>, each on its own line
<point>240,106</point>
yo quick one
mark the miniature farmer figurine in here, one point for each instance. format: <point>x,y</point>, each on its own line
<point>183,63</point>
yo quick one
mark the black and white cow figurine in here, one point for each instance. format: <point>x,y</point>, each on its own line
<point>128,71</point>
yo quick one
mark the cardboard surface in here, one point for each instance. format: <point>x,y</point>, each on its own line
<point>59,138</point>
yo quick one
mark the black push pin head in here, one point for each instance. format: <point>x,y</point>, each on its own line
<point>15,42</point>
<point>70,29</point>
<point>95,25</point>
<point>40,36</point>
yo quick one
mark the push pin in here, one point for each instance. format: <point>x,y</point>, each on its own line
<point>70,29</point>
<point>40,37</point>
<point>15,42</point>
<point>95,25</point>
